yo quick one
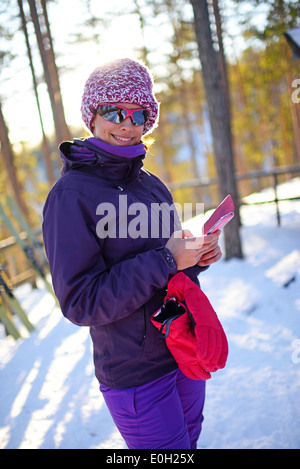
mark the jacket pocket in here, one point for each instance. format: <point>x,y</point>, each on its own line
<point>127,337</point>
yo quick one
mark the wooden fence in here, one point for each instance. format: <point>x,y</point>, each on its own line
<point>22,259</point>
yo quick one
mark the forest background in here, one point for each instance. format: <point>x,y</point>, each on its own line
<point>48,49</point>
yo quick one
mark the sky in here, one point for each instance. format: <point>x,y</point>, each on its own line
<point>121,37</point>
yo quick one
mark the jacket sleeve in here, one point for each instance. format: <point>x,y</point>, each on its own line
<point>89,294</point>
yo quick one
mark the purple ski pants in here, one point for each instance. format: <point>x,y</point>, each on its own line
<point>163,414</point>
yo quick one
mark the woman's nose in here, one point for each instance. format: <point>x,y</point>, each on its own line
<point>127,123</point>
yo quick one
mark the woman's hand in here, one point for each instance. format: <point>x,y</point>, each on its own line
<point>189,250</point>
<point>213,254</point>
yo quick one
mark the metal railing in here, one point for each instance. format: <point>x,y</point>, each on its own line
<point>274,174</point>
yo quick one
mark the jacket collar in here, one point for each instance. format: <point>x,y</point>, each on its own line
<point>117,163</point>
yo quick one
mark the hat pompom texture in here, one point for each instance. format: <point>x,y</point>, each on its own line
<point>120,81</point>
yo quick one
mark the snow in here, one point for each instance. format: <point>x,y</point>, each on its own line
<point>50,397</point>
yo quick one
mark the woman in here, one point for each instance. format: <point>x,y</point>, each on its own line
<point>110,272</point>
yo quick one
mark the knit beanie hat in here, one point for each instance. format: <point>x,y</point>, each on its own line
<point>120,81</point>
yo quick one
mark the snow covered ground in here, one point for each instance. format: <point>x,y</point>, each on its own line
<point>49,397</point>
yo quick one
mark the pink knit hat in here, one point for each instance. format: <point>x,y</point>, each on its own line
<point>120,81</point>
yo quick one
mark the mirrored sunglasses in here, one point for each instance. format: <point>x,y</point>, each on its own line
<point>118,114</point>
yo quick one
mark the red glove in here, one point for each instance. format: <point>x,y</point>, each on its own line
<point>211,341</point>
<point>196,337</point>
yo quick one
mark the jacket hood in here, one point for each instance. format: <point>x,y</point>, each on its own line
<point>118,163</point>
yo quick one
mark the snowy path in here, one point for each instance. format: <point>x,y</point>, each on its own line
<point>50,398</point>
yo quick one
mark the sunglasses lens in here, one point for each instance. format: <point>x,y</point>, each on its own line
<point>109,113</point>
<point>117,114</point>
<point>139,117</point>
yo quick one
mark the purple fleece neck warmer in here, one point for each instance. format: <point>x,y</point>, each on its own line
<point>131,151</point>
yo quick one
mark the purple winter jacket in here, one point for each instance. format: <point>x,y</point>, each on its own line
<point>112,284</point>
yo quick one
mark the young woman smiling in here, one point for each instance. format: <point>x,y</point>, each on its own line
<point>113,284</point>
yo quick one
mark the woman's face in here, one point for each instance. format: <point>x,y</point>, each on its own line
<point>123,134</point>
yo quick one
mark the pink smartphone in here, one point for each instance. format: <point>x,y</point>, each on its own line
<point>221,223</point>
<point>220,217</point>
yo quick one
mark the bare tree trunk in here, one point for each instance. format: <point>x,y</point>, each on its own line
<point>46,145</point>
<point>8,158</point>
<point>220,122</point>
<point>50,71</point>
<point>54,75</point>
<point>144,50</point>
<point>221,54</point>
